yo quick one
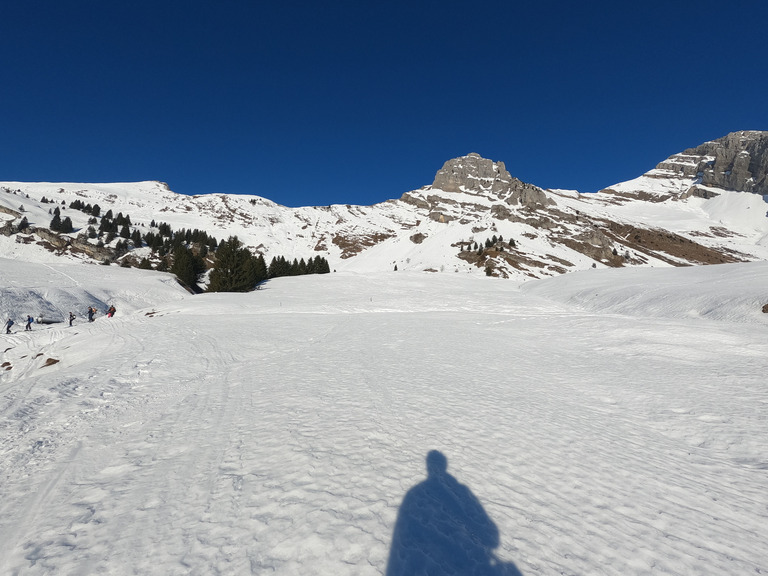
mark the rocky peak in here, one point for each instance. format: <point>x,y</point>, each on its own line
<point>474,174</point>
<point>737,161</point>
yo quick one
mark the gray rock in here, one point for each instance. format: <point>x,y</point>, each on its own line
<point>738,161</point>
<point>474,174</point>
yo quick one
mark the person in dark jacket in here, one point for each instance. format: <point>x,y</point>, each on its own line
<point>8,326</point>
<point>29,322</point>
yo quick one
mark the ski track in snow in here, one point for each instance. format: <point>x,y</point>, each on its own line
<point>278,431</point>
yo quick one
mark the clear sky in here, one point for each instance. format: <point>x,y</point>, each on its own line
<point>356,101</point>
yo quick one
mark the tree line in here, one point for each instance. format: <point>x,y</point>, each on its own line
<point>186,253</point>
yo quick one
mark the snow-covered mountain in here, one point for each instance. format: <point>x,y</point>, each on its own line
<point>371,422</point>
<point>702,206</point>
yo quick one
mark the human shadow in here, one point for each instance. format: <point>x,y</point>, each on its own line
<point>442,529</point>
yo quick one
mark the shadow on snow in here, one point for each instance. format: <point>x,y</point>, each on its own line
<point>442,529</point>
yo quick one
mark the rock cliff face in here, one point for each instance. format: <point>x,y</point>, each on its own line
<point>738,161</point>
<point>474,174</point>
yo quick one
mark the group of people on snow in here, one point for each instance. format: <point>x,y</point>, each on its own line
<point>10,323</point>
<point>91,317</point>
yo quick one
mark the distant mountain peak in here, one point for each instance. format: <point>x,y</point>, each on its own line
<point>473,173</point>
<point>737,161</point>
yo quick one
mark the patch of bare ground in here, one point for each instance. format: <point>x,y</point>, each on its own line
<point>721,232</point>
<point>664,245</point>
<point>352,245</point>
<point>639,195</point>
<point>50,362</point>
<point>561,261</point>
<point>596,252</point>
<point>7,365</point>
<point>490,259</point>
<point>716,232</point>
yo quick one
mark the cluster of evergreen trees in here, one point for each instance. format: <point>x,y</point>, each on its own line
<point>490,243</point>
<point>94,210</point>
<point>234,268</point>
<point>58,225</point>
<point>166,241</point>
<point>279,266</point>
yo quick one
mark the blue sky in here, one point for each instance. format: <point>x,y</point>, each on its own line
<point>314,103</point>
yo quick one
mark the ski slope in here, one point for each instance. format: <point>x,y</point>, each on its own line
<point>602,422</point>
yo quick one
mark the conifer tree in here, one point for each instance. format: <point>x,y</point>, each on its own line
<point>235,269</point>
<point>186,266</point>
<point>66,225</point>
<point>55,224</point>
<point>261,269</point>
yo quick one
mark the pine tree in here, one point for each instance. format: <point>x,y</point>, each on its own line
<point>66,225</point>
<point>322,265</point>
<point>186,266</point>
<point>261,269</point>
<point>235,269</point>
<point>55,224</point>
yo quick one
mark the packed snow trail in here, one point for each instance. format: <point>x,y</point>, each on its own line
<point>279,431</point>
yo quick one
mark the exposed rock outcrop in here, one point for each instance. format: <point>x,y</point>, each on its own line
<point>474,174</point>
<point>738,161</point>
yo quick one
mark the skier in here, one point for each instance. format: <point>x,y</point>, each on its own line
<point>111,312</point>
<point>91,312</point>
<point>71,318</point>
<point>29,322</point>
<point>8,326</point>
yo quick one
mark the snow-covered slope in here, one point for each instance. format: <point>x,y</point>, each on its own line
<point>51,291</point>
<point>665,217</point>
<point>604,422</point>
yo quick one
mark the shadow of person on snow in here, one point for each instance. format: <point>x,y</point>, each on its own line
<point>442,529</point>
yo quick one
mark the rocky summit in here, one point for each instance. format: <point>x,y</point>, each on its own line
<point>704,205</point>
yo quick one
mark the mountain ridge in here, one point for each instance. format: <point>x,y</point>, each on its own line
<point>475,217</point>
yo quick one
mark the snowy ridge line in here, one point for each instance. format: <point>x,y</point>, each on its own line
<point>675,214</point>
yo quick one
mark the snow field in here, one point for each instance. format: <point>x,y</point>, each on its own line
<point>278,431</point>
